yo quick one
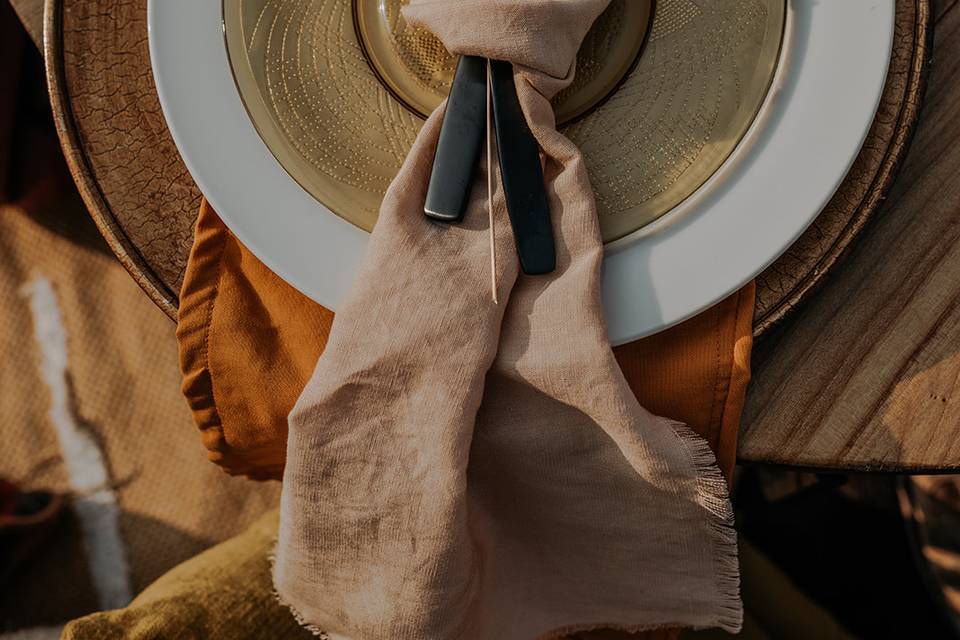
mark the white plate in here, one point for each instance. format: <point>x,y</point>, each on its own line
<point>811,126</point>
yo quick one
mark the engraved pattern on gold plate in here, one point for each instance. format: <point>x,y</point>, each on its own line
<point>342,134</point>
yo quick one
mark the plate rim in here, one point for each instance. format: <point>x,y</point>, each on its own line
<point>649,281</point>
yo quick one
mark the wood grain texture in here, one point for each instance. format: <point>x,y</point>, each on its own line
<point>867,374</point>
<point>802,269</point>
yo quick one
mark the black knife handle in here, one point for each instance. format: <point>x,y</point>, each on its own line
<point>460,142</point>
<point>522,176</point>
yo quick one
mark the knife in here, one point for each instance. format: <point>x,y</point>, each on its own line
<point>522,176</point>
<point>460,142</point>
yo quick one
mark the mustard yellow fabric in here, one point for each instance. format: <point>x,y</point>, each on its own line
<point>225,592</point>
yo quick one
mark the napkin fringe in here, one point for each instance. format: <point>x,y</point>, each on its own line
<point>302,621</point>
<point>713,495</point>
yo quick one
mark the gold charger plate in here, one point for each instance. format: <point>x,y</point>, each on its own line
<point>338,89</point>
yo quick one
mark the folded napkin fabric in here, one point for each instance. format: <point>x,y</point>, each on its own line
<point>248,342</point>
<point>458,468</point>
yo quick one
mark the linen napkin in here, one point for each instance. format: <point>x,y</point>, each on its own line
<point>258,332</point>
<point>458,468</point>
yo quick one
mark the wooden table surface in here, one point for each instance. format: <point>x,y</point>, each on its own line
<point>866,374</point>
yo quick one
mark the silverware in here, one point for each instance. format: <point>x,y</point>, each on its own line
<point>458,152</point>
<point>522,176</point>
<point>460,142</point>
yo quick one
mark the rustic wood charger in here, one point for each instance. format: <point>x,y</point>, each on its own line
<point>145,203</point>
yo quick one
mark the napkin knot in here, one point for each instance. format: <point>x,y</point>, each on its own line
<point>540,36</point>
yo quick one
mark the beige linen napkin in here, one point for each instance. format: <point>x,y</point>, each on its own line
<point>463,469</point>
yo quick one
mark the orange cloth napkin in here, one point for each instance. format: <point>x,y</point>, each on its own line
<point>242,328</point>
<point>248,343</point>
